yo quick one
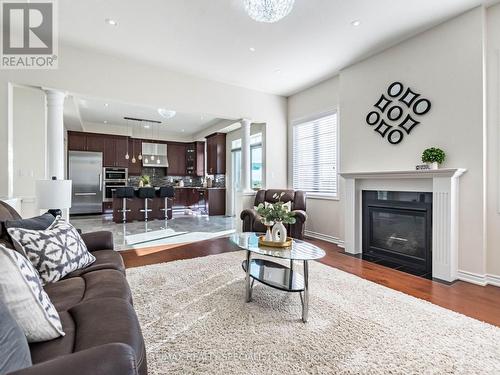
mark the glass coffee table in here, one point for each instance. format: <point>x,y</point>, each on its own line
<point>277,275</point>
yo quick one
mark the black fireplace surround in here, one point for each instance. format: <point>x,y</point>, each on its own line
<point>397,230</point>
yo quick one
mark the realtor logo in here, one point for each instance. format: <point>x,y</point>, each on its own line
<point>29,35</point>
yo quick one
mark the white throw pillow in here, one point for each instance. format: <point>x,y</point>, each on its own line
<point>54,252</point>
<point>21,291</point>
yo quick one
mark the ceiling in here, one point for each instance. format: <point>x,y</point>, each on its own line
<point>105,116</point>
<point>212,38</point>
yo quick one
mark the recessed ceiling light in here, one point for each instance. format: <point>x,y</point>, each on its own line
<point>106,105</point>
<point>356,23</point>
<point>166,113</point>
<point>111,22</point>
<point>252,49</point>
<point>182,130</point>
<point>105,121</point>
<point>277,71</point>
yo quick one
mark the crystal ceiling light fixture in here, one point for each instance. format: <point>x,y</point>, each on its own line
<point>268,11</point>
<point>166,113</point>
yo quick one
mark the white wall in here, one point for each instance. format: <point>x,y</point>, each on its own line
<point>446,65</point>
<point>493,137</point>
<point>89,73</point>
<point>29,163</point>
<point>321,98</point>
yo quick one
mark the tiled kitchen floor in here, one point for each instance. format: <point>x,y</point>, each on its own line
<point>197,227</point>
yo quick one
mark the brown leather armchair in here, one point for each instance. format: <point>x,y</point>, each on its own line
<point>251,219</point>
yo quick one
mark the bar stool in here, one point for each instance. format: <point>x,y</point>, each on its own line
<point>166,192</point>
<point>147,194</point>
<point>124,193</point>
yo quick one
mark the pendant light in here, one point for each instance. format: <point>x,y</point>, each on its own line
<point>152,137</point>
<point>127,156</point>
<point>140,150</point>
<point>133,150</point>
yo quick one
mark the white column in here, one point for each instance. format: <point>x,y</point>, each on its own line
<point>55,133</point>
<point>245,155</point>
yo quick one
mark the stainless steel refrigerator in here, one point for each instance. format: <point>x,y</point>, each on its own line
<point>85,170</point>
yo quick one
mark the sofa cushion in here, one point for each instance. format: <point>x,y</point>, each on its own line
<point>44,351</point>
<point>68,293</point>
<point>104,259</point>
<point>107,320</point>
<point>14,351</point>
<point>21,291</point>
<point>93,323</point>
<point>54,252</point>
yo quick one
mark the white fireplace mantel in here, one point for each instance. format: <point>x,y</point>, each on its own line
<point>443,183</point>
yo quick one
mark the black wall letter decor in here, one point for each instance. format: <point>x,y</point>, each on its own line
<point>395,112</point>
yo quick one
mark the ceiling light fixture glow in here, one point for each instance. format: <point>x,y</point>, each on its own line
<point>252,49</point>
<point>166,113</point>
<point>268,11</point>
<point>356,23</point>
<point>111,22</point>
<point>105,121</point>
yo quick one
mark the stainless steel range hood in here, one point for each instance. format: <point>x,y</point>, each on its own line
<point>154,155</point>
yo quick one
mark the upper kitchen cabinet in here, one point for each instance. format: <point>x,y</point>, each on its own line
<point>216,153</point>
<point>95,142</point>
<point>195,159</point>
<point>77,141</point>
<point>113,147</point>
<point>121,148</point>
<point>176,153</point>
<point>134,148</point>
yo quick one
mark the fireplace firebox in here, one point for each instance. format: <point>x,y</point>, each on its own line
<point>397,230</point>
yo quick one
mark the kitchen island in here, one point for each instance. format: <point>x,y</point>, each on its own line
<point>211,201</point>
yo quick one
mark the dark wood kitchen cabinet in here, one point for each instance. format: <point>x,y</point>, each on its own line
<point>134,148</point>
<point>121,148</point>
<point>77,141</point>
<point>176,153</point>
<point>195,159</point>
<point>115,149</point>
<point>95,142</point>
<point>216,153</point>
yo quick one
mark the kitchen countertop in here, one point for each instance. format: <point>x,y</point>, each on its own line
<point>198,187</point>
<point>186,187</point>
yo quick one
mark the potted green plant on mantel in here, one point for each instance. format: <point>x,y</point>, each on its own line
<point>433,157</point>
<point>276,215</point>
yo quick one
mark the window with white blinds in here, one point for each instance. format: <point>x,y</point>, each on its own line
<point>315,155</point>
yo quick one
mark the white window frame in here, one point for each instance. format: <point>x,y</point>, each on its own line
<point>318,195</point>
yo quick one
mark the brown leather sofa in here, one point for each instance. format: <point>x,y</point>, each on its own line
<point>252,220</point>
<point>103,335</point>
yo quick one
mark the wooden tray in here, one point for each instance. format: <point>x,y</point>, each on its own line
<point>287,243</point>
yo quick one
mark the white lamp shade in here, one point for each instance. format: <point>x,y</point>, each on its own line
<point>53,194</point>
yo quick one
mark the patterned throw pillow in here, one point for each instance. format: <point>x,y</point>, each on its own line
<point>54,252</point>
<point>21,291</point>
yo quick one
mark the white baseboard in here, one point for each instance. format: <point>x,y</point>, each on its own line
<point>493,280</point>
<point>478,279</point>
<point>324,237</point>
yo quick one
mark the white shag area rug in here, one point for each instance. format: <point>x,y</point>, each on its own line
<point>195,321</point>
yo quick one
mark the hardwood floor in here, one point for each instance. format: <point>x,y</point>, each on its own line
<point>482,303</point>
